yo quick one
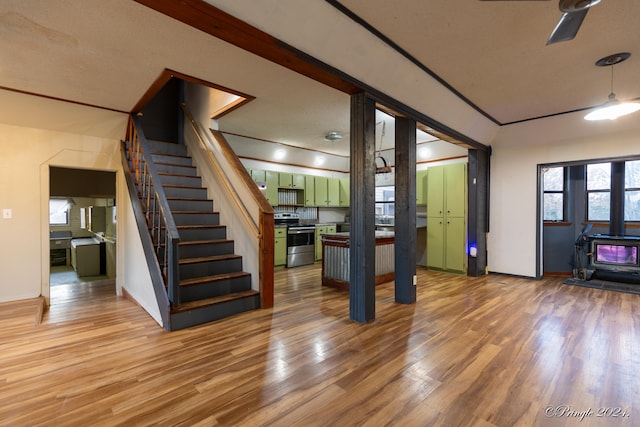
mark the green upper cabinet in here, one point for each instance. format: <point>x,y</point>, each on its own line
<point>285,179</point>
<point>421,187</point>
<point>456,189</point>
<point>435,192</point>
<point>344,192</point>
<point>309,190</point>
<point>333,191</point>
<point>327,191</point>
<point>258,175</point>
<point>321,191</point>
<point>271,179</point>
<point>298,181</point>
<point>291,180</point>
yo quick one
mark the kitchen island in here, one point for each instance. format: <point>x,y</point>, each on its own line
<point>335,259</point>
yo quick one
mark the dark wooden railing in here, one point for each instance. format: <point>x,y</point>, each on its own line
<point>162,228</point>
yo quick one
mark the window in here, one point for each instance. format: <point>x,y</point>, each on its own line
<point>59,211</point>
<point>598,191</point>
<point>553,198</point>
<point>632,190</point>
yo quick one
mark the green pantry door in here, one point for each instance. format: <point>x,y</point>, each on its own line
<point>446,224</point>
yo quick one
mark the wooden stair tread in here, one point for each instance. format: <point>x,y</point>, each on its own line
<point>196,226</point>
<point>208,258</point>
<point>174,164</point>
<point>178,174</point>
<point>191,305</point>
<point>214,278</point>
<point>205,242</point>
<point>194,212</point>
<point>183,187</point>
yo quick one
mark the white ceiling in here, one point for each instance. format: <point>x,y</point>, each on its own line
<point>108,54</point>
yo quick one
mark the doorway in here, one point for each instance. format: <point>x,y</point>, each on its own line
<point>82,238</point>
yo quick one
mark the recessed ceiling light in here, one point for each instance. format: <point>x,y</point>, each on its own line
<point>319,160</point>
<point>279,154</point>
<point>424,152</point>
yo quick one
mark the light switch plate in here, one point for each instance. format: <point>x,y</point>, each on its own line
<point>7,214</point>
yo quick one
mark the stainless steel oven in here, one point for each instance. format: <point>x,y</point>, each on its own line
<point>300,239</point>
<point>300,245</point>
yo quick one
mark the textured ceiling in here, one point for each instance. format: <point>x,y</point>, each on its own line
<point>493,54</point>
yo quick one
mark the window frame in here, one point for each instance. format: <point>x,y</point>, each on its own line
<point>629,189</point>
<point>587,192</point>
<point>66,212</point>
<point>565,178</point>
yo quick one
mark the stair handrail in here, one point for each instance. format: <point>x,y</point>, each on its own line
<point>162,227</point>
<point>227,151</point>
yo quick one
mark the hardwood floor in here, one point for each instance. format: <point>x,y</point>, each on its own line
<point>488,351</point>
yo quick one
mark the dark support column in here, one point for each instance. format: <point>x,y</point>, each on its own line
<point>405,211</point>
<point>478,208</point>
<point>616,224</point>
<point>362,298</point>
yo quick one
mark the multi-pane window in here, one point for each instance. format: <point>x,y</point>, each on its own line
<point>598,191</point>
<point>553,197</point>
<point>59,211</point>
<point>632,190</point>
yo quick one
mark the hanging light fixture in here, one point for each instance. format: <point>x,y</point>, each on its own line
<point>612,109</point>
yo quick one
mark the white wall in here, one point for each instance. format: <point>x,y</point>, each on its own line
<point>63,135</point>
<point>517,150</point>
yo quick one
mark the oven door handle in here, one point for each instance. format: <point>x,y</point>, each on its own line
<point>301,230</point>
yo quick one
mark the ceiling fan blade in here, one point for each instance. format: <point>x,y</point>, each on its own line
<point>568,26</point>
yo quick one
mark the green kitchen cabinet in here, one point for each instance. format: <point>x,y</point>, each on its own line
<point>446,217</point>
<point>333,192</point>
<point>320,231</point>
<point>258,175</point>
<point>455,245</point>
<point>435,192</point>
<point>309,190</point>
<point>291,180</point>
<point>345,200</point>
<point>421,187</point>
<point>280,246</point>
<point>327,191</point>
<point>271,179</point>
<point>435,243</point>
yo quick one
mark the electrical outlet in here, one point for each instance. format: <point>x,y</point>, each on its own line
<point>7,214</point>
<point>415,280</point>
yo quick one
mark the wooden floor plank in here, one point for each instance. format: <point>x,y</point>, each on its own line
<point>488,351</point>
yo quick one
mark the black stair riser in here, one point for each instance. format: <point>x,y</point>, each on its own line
<point>208,314</point>
<point>167,148</point>
<point>191,205</point>
<point>210,268</point>
<point>177,169</point>
<point>206,249</point>
<point>215,289</point>
<point>197,234</point>
<point>209,218</point>
<point>176,160</point>
<point>187,181</point>
<point>203,250</point>
<point>185,192</point>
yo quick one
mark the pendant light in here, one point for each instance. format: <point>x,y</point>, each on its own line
<point>612,109</point>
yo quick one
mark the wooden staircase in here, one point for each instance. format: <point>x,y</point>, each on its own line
<point>212,283</point>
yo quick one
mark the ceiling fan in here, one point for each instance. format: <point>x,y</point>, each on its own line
<point>573,13</point>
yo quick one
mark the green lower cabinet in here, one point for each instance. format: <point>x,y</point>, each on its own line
<point>446,244</point>
<point>318,247</point>
<point>455,245</point>
<point>320,230</point>
<point>435,243</point>
<point>280,246</point>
